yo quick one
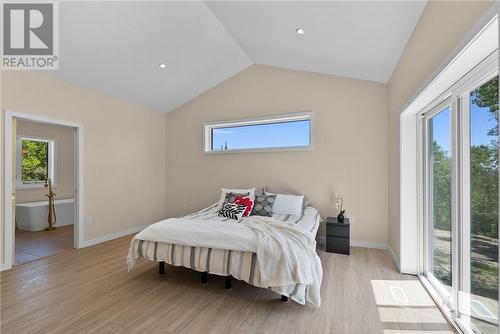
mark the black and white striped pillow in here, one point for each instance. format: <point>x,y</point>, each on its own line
<point>232,211</point>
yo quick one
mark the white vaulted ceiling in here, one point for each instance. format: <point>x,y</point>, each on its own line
<point>116,47</point>
<point>361,40</point>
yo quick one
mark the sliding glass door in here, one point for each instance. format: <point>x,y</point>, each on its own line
<point>460,203</point>
<point>438,175</point>
<point>478,302</point>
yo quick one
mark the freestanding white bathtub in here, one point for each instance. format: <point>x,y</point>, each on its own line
<point>33,216</point>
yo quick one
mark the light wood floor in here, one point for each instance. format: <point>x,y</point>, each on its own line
<point>90,291</point>
<point>35,245</point>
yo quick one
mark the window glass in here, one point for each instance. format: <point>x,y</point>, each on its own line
<point>35,160</point>
<point>440,197</point>
<point>484,207</point>
<point>288,132</point>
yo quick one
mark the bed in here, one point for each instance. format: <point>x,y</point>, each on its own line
<point>281,248</point>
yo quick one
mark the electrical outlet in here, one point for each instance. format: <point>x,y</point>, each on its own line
<point>185,206</point>
<point>89,220</point>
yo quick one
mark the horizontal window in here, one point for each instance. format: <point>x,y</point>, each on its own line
<point>286,132</point>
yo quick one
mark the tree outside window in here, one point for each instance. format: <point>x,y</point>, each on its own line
<point>35,161</point>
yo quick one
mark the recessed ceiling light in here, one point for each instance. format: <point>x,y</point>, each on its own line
<point>163,65</point>
<point>299,31</point>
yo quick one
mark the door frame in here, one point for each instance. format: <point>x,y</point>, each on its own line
<point>8,241</point>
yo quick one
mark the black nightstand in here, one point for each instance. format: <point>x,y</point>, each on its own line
<point>338,236</point>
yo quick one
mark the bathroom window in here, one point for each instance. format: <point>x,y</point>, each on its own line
<point>35,161</point>
<point>282,132</point>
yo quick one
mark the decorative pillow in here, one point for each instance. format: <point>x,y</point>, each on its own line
<point>231,197</point>
<point>241,199</point>
<point>232,211</point>
<point>263,205</point>
<point>288,204</point>
<point>246,201</point>
<point>224,191</point>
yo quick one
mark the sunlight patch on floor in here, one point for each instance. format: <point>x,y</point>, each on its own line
<point>405,307</point>
<point>400,293</point>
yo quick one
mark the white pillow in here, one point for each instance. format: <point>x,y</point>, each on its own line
<point>287,204</point>
<point>306,203</point>
<point>224,191</point>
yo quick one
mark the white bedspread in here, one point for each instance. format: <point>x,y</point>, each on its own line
<point>287,258</point>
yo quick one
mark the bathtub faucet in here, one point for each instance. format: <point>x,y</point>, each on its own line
<point>52,207</point>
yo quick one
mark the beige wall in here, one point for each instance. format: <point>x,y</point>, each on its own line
<point>124,148</point>
<point>441,27</point>
<point>349,156</point>
<point>65,170</point>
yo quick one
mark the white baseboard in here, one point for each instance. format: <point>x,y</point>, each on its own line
<point>112,236</point>
<point>394,258</point>
<point>367,244</point>
<point>3,267</point>
<point>374,245</point>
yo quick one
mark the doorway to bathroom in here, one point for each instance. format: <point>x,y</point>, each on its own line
<point>45,186</point>
<point>42,182</point>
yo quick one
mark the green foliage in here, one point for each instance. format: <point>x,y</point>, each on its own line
<point>441,174</point>
<point>483,174</point>
<point>484,167</point>
<point>34,160</point>
<point>484,190</point>
<point>487,96</point>
<point>441,180</point>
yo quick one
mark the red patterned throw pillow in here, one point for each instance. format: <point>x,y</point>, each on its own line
<point>247,201</point>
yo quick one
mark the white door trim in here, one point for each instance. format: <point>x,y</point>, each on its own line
<point>8,241</point>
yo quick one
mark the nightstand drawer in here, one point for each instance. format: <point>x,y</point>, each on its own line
<point>338,245</point>
<point>337,231</point>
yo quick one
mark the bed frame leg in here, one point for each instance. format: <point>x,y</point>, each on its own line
<point>284,298</point>
<point>161,267</point>
<point>227,282</point>
<point>204,277</point>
